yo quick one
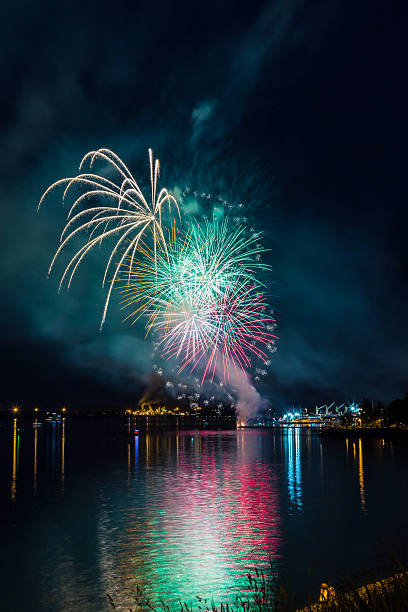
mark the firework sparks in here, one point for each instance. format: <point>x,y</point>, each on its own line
<point>196,268</point>
<point>121,212</point>
<point>228,330</point>
<point>202,298</point>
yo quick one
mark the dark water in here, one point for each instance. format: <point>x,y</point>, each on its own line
<point>86,512</point>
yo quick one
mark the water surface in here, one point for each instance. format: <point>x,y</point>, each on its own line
<point>87,511</point>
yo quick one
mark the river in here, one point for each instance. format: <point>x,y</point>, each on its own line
<point>87,511</point>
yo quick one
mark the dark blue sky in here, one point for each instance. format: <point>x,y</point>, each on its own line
<point>296,108</point>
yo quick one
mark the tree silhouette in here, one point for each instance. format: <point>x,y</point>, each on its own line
<point>397,411</point>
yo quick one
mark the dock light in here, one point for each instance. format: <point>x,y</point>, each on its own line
<point>63,409</point>
<point>15,409</point>
<point>36,409</point>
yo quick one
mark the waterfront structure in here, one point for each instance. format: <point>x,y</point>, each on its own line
<point>327,414</point>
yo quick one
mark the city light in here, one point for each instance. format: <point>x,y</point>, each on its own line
<point>353,407</point>
<point>321,415</point>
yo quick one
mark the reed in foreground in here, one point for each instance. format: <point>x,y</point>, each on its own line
<point>266,595</point>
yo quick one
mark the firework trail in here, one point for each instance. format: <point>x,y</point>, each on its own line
<point>120,211</point>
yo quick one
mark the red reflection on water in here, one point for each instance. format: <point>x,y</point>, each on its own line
<point>226,503</point>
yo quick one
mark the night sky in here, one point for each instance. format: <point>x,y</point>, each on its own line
<point>295,108</point>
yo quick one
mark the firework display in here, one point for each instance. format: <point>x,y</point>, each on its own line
<point>228,330</point>
<point>196,284</point>
<point>202,298</point>
<point>126,216</point>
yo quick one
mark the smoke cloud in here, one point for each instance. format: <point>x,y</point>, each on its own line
<point>249,400</point>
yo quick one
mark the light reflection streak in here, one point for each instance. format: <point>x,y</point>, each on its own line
<point>290,465</point>
<point>35,457</point>
<point>294,466</point>
<point>136,450</point>
<point>15,461</point>
<point>321,463</point>
<point>53,446</point>
<point>298,472</point>
<point>63,455</point>
<point>361,475</point>
<point>147,449</point>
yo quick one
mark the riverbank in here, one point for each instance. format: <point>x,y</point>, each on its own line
<point>384,595</point>
<point>265,595</point>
